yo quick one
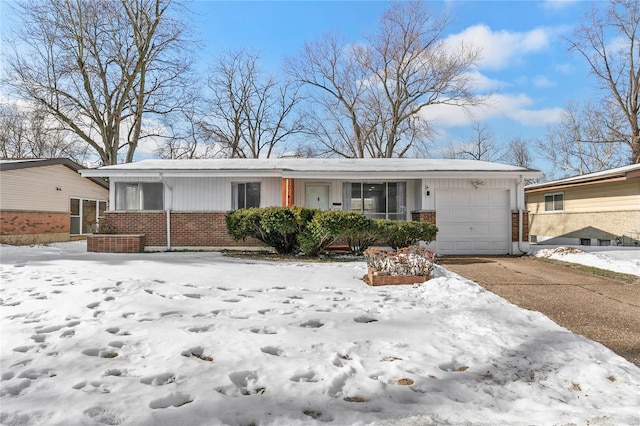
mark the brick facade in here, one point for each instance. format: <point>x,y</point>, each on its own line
<point>25,227</point>
<point>428,216</point>
<point>514,226</point>
<point>102,243</point>
<point>188,229</point>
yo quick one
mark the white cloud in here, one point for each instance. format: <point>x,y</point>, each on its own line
<point>564,68</point>
<point>543,82</point>
<point>558,4</point>
<point>496,105</point>
<point>540,117</point>
<point>501,48</point>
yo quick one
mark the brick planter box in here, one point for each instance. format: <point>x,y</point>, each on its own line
<point>377,278</point>
<point>107,243</point>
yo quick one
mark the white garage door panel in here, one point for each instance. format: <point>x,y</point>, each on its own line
<point>473,222</point>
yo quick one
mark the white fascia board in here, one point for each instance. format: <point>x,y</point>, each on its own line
<point>180,173</point>
<point>359,175</point>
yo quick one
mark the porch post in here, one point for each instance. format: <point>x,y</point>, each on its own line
<point>287,192</point>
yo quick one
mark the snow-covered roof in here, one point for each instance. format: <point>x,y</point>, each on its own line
<point>300,167</point>
<point>589,177</point>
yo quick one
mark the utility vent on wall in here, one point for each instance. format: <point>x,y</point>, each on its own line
<point>533,238</point>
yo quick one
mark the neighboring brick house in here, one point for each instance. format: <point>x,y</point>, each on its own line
<point>181,204</point>
<point>600,208</point>
<point>43,201</point>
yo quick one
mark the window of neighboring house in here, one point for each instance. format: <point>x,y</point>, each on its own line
<point>84,215</point>
<point>585,241</point>
<point>554,202</point>
<point>139,196</point>
<point>245,195</point>
<point>604,242</point>
<point>376,200</point>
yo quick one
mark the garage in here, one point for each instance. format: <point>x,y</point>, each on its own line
<point>473,222</point>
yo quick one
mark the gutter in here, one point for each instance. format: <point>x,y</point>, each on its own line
<point>520,185</point>
<point>168,210</point>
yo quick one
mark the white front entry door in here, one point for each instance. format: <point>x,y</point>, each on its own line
<point>473,222</point>
<point>318,196</point>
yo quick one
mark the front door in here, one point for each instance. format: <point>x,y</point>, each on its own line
<point>318,196</point>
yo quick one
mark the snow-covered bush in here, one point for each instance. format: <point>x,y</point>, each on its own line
<point>412,260</point>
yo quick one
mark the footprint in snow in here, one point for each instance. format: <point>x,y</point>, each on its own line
<point>272,350</point>
<point>245,383</point>
<point>173,400</point>
<point>159,379</point>
<point>263,330</point>
<point>93,305</point>
<point>103,415</point>
<point>101,353</point>
<point>305,376</point>
<point>94,386</point>
<point>365,319</point>
<point>199,329</point>
<point>192,295</point>
<point>318,415</point>
<point>311,324</point>
<point>197,352</point>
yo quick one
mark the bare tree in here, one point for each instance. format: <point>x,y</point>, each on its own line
<point>518,153</point>
<point>370,99</point>
<point>480,145</point>
<point>28,133</point>
<point>609,40</point>
<point>249,114</point>
<point>575,145</point>
<point>102,68</point>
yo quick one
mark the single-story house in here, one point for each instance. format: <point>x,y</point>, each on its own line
<point>46,200</point>
<point>600,208</point>
<point>477,206</point>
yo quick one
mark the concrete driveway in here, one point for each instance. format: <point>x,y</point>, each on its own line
<point>606,310</point>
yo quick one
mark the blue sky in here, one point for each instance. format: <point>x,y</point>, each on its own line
<point>525,62</point>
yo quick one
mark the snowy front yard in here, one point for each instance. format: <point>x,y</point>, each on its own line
<point>201,339</point>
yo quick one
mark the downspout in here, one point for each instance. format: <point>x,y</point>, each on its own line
<point>520,215</point>
<point>168,211</point>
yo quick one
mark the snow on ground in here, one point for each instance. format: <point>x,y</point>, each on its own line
<point>202,339</point>
<point>618,259</point>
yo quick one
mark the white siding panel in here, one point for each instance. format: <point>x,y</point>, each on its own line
<point>35,188</point>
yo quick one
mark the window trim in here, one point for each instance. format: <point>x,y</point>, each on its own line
<point>80,215</point>
<point>553,201</point>
<point>121,199</point>
<point>346,204</point>
<point>235,191</point>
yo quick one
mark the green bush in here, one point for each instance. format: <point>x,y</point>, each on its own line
<point>328,226</point>
<point>404,234</point>
<point>278,227</point>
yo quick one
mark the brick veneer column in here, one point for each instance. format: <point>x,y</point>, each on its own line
<point>514,226</point>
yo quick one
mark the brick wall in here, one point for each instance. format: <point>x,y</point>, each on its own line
<point>188,229</point>
<point>515,217</point>
<point>115,243</point>
<point>29,227</point>
<point>428,216</point>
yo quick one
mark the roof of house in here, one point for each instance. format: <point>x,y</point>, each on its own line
<point>6,165</point>
<point>620,173</point>
<point>306,167</point>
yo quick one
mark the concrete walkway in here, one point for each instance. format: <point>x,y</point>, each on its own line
<point>601,309</point>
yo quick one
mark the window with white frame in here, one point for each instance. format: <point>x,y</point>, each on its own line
<point>85,215</point>
<point>245,195</point>
<point>386,200</point>
<point>139,196</point>
<point>554,202</point>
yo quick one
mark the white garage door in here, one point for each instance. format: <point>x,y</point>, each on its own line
<point>473,222</point>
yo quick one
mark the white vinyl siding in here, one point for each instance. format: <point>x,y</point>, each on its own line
<point>209,193</point>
